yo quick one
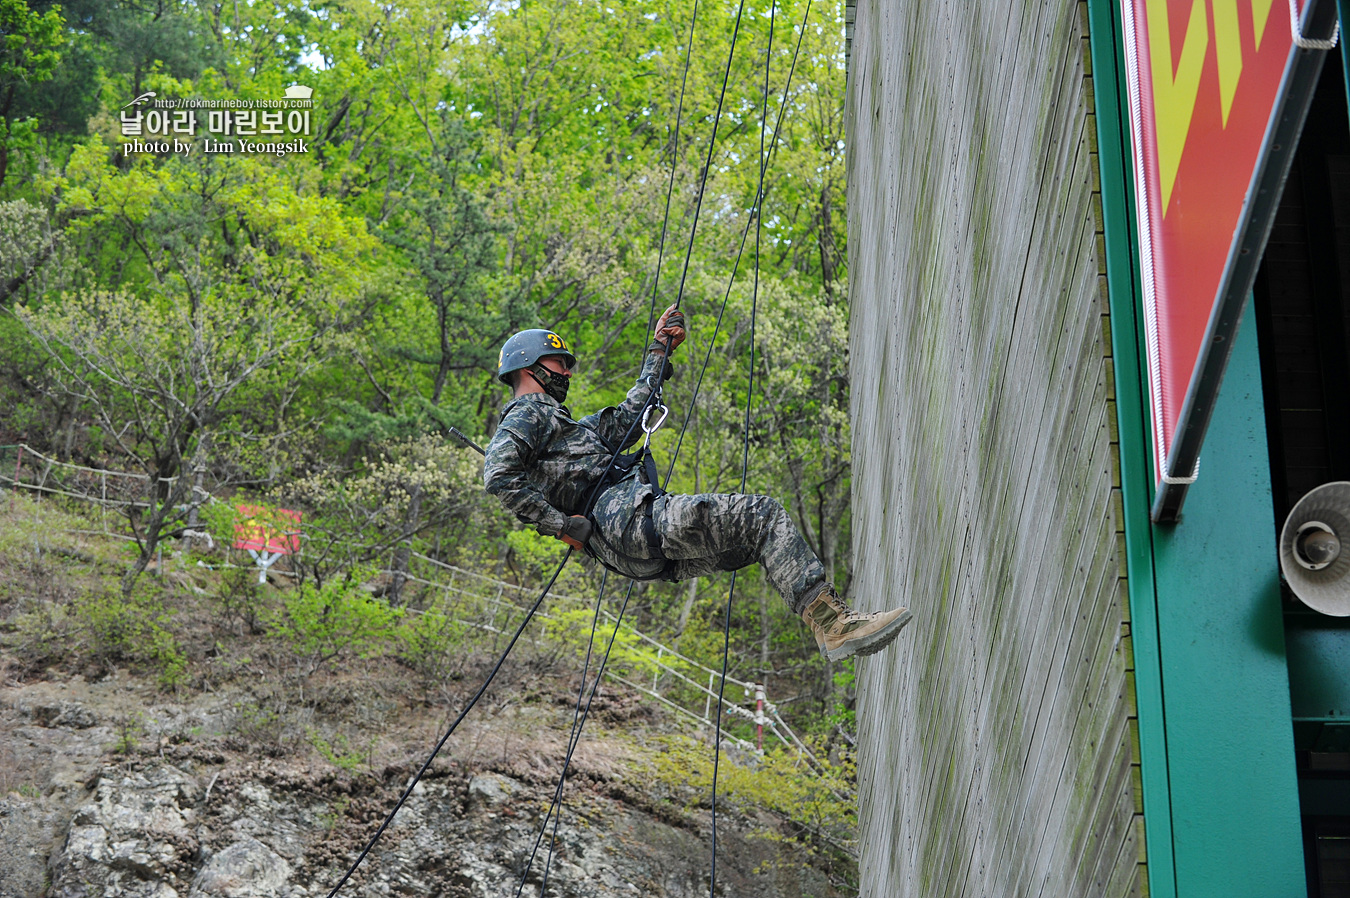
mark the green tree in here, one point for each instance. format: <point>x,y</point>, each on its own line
<point>326,622</point>
<point>159,376</point>
<point>474,169</point>
<point>447,238</point>
<point>35,256</point>
<point>29,53</point>
<point>232,297</point>
<point>357,517</point>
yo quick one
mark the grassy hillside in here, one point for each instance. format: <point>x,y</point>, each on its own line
<point>334,685</point>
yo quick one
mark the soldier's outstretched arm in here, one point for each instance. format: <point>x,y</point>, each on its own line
<point>617,422</point>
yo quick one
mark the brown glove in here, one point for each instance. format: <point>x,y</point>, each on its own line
<point>669,329</point>
<point>576,531</point>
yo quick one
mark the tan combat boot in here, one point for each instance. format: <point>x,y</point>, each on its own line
<point>842,632</point>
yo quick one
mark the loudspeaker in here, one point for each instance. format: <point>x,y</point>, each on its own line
<point>1315,549</point>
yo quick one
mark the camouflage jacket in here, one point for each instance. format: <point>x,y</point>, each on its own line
<point>543,464</point>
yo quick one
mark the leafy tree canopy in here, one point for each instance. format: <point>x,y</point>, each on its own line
<point>253,320</point>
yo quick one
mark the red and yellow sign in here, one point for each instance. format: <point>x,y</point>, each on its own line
<point>263,529</point>
<point>1204,76</point>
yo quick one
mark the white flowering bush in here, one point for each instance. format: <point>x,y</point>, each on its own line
<point>400,494</point>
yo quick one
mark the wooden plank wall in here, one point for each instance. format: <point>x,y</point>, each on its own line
<point>996,735</point>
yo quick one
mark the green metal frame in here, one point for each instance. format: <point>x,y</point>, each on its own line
<point>1236,825</point>
<point>1220,793</point>
<point>1136,475</point>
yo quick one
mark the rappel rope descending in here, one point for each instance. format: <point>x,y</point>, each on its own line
<point>652,398</point>
<point>643,456</point>
<point>674,156</point>
<point>467,708</point>
<point>764,158</point>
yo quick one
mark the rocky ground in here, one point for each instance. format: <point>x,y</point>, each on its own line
<point>112,788</point>
<point>187,741</point>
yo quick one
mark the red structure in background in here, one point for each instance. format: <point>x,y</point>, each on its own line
<point>267,534</point>
<point>270,529</point>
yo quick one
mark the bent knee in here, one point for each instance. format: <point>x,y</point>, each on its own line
<point>768,507</point>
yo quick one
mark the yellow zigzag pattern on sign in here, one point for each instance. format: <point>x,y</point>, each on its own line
<point>1175,93</point>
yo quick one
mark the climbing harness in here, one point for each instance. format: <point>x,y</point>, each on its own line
<point>641,464</point>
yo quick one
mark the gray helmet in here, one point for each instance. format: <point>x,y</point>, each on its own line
<point>528,347</point>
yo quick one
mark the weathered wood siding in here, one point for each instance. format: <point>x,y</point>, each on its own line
<point>996,751</point>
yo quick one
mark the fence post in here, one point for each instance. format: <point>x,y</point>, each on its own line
<point>759,716</point>
<point>15,488</point>
<point>707,701</point>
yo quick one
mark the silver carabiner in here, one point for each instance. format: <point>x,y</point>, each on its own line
<point>649,428</point>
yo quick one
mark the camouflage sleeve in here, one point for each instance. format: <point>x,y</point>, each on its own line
<point>613,424</point>
<point>510,455</point>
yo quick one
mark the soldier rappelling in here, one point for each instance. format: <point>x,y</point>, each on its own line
<point>566,477</point>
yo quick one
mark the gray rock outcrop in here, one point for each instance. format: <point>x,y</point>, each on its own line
<point>246,869</point>
<point>135,838</point>
<point>84,815</point>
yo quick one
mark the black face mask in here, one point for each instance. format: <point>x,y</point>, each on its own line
<point>554,384</point>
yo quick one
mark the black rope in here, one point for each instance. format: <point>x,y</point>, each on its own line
<point>554,810</point>
<point>571,739</point>
<point>578,722</point>
<point>745,452</point>
<point>574,741</point>
<point>467,708</point>
<point>674,164</point>
<point>579,716</point>
<point>574,738</point>
<point>759,200</point>
<point>717,738</point>
<point>712,142</point>
<point>653,395</point>
<point>759,223</point>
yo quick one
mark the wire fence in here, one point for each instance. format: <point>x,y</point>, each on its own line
<point>23,467</point>
<point>676,680</point>
<point>469,599</point>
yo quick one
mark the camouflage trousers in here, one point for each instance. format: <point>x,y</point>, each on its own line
<point>679,537</point>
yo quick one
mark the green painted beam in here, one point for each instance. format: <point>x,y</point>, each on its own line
<point>1122,272</point>
<point>1220,792</point>
<point>1230,742</point>
<point>1343,10</point>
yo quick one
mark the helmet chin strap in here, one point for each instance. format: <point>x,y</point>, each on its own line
<point>554,385</point>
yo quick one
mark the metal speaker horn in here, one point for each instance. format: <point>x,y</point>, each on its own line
<point>1315,549</point>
